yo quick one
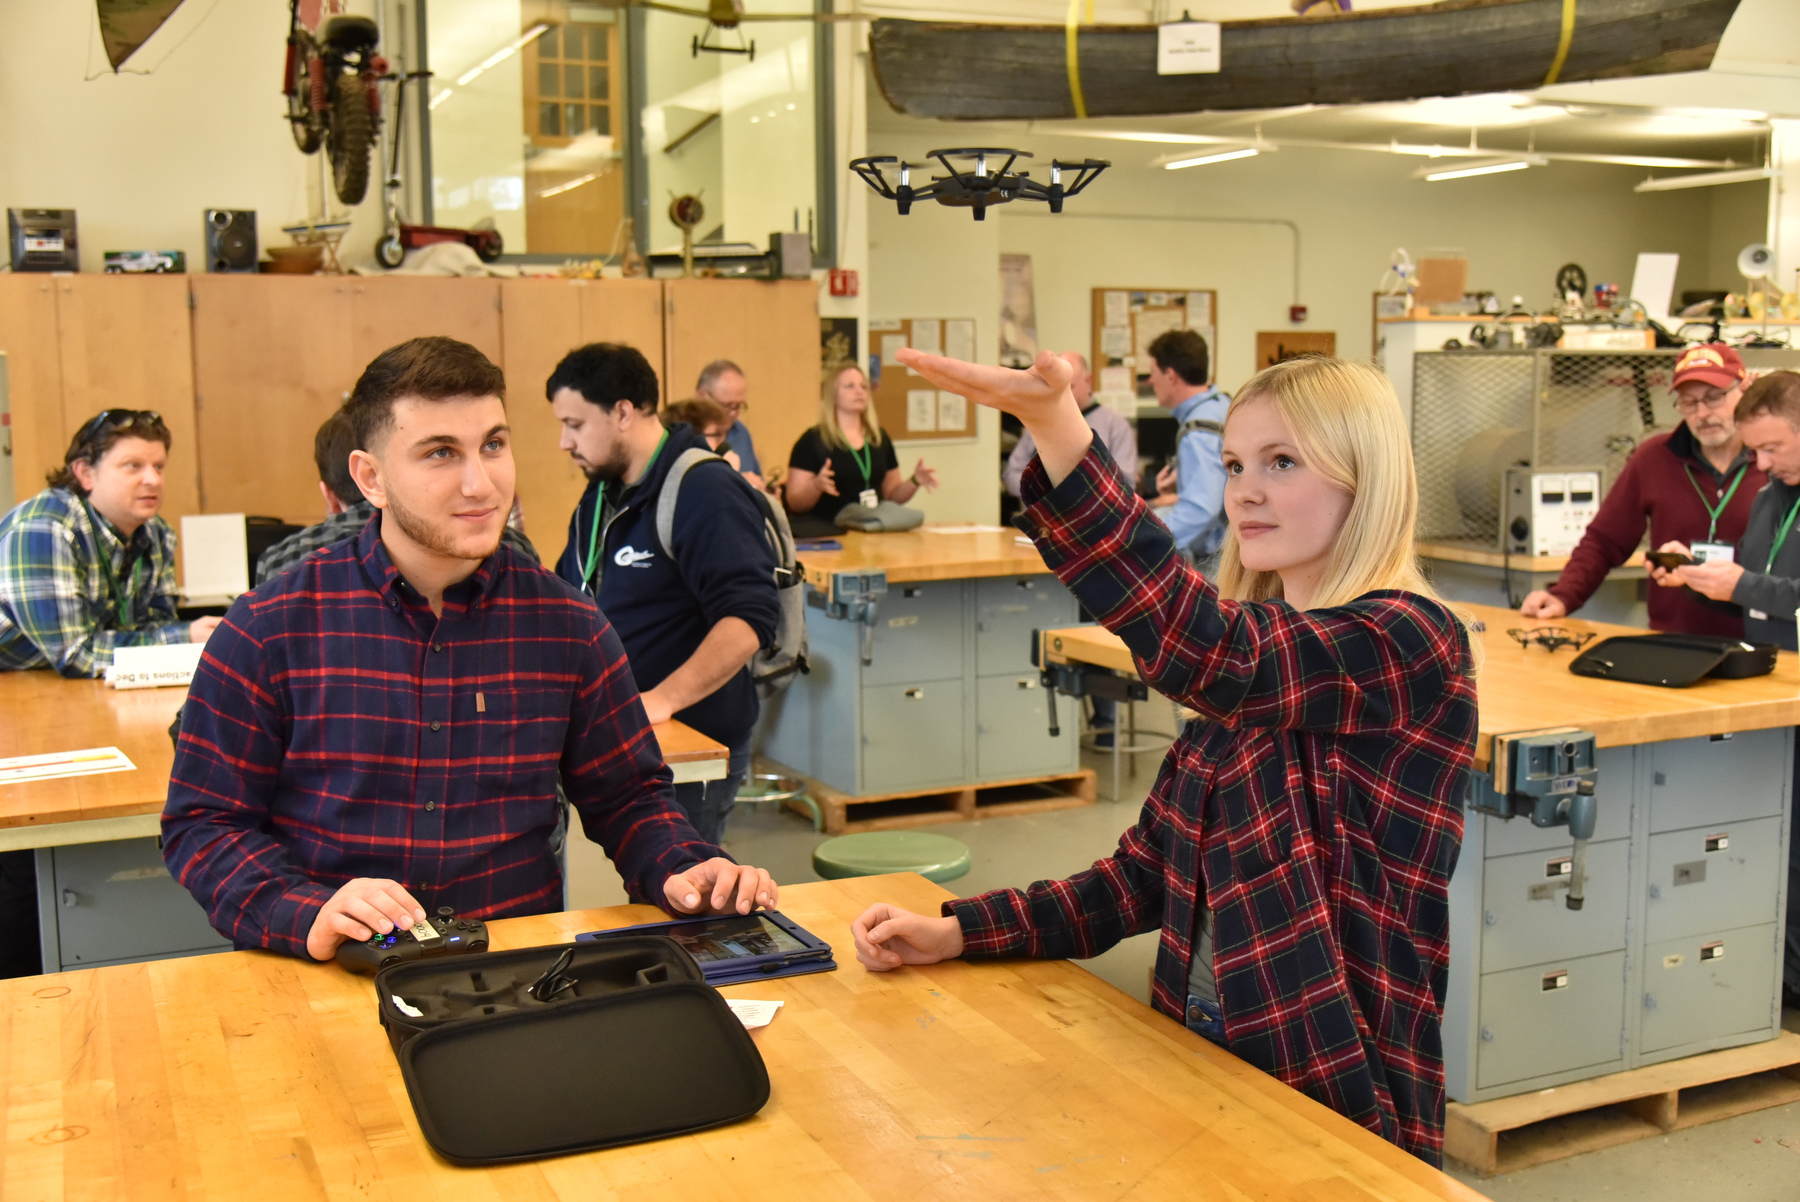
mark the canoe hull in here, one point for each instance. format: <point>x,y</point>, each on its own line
<point>971,72</point>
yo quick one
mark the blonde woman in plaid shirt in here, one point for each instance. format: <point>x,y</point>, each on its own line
<point>86,565</point>
<point>1296,849</point>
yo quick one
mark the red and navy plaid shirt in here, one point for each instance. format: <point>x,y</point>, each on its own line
<point>1317,801</point>
<point>336,728</point>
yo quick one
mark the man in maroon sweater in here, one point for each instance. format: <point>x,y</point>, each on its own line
<point>1692,485</point>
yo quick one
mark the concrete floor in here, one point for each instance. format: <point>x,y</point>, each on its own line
<point>1752,1158</point>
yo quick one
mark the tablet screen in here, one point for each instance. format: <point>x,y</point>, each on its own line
<point>735,938</point>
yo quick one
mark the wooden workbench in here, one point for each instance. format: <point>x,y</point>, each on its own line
<point>1484,555</point>
<point>250,1075</point>
<point>1529,688</point>
<point>927,553</point>
<point>41,712</point>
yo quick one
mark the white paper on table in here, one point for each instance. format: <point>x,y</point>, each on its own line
<point>953,411</point>
<point>959,339</point>
<point>921,410</point>
<point>1115,341</point>
<point>928,335</point>
<point>1153,322</point>
<point>154,666</point>
<point>1199,309</point>
<point>890,345</point>
<point>1653,283</point>
<point>753,1014</point>
<point>87,762</point>
<point>1115,308</point>
<point>215,555</point>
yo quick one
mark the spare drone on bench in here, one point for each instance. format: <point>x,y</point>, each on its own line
<point>976,187</point>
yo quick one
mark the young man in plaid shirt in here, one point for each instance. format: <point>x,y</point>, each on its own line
<point>380,731</point>
<point>1297,847</point>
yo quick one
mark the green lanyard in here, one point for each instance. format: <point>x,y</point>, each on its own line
<point>865,460</point>
<point>1713,511</point>
<point>120,600</point>
<point>587,567</point>
<point>1781,535</point>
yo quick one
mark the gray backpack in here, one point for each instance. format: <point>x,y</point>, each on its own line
<point>773,668</point>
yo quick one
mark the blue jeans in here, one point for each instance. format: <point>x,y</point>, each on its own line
<point>708,803</point>
<point>1205,1018</point>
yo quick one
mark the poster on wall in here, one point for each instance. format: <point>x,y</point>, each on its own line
<point>1018,312</point>
<point>837,343</point>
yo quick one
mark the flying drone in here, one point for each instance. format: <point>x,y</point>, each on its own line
<point>976,187</point>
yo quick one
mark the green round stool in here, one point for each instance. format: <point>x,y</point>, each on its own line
<point>933,857</point>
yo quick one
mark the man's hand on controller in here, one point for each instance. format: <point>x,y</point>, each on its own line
<point>358,911</point>
<point>718,886</point>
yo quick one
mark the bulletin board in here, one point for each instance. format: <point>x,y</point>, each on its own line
<point>1127,320</point>
<point>909,406</point>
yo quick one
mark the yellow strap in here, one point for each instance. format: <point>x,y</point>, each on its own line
<point>1562,43</point>
<point>1070,29</point>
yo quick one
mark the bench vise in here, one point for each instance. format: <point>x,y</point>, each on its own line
<point>853,597</point>
<point>1549,777</point>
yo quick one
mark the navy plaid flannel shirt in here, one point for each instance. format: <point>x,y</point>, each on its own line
<point>1317,800</point>
<point>336,728</point>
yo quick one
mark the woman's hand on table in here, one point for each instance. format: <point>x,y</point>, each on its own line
<point>887,937</point>
<point>1039,397</point>
<point>719,886</point>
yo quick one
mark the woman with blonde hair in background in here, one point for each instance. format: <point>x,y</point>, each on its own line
<point>847,457</point>
<point>1297,846</point>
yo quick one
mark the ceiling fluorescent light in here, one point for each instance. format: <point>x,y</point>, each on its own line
<point>1705,179</point>
<point>1480,167</point>
<point>1224,156</point>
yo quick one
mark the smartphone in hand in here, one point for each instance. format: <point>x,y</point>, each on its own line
<point>1669,560</point>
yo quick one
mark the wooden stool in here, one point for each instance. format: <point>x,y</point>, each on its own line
<point>933,857</point>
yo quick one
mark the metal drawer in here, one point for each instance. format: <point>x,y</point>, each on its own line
<point>1012,730</point>
<point>1612,813</point>
<point>918,633</point>
<point>1700,782</point>
<point>1708,987</point>
<point>913,736</point>
<point>1735,884</point>
<point>115,902</point>
<point>1525,919</point>
<point>1007,610</point>
<point>1551,1018</point>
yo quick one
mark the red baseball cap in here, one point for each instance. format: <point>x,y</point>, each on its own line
<point>1711,363</point>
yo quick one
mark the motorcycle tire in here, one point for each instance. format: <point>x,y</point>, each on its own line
<point>389,252</point>
<point>302,121</point>
<point>350,138</point>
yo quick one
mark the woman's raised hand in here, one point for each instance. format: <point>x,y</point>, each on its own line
<point>1038,396</point>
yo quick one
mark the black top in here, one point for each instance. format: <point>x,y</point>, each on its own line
<point>1770,592</point>
<point>811,452</point>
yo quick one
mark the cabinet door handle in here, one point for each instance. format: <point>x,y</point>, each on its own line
<point>1028,684</point>
<point>915,694</point>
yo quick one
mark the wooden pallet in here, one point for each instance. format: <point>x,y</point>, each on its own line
<point>847,814</point>
<point>1514,1133</point>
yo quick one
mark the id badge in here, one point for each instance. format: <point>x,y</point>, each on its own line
<point>869,498</point>
<point>1714,552</point>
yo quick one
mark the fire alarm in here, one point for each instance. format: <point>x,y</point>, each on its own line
<point>843,281</point>
<point>1296,313</point>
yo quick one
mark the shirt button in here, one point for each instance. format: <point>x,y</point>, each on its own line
<point>434,726</point>
<point>1194,1013</point>
<point>437,646</point>
<point>430,806</point>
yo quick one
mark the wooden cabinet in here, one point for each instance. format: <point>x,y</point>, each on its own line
<point>756,324</point>
<point>34,379</point>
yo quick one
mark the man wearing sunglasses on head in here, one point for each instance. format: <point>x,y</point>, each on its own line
<point>86,566</point>
<point>1692,486</point>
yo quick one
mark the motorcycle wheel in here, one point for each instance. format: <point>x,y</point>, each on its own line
<point>302,121</point>
<point>352,133</point>
<point>389,253</point>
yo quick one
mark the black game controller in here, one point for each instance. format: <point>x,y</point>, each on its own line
<point>443,934</point>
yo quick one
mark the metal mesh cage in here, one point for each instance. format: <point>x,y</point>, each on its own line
<point>1471,417</point>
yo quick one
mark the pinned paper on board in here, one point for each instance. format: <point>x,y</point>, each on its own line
<point>1152,323</point>
<point>953,411</point>
<point>891,346</point>
<point>1115,341</point>
<point>1199,309</point>
<point>959,339</point>
<point>928,335</point>
<point>921,410</point>
<point>1117,308</point>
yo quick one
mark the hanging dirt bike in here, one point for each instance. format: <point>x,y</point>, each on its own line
<point>333,99</point>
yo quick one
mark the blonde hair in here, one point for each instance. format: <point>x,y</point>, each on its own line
<point>1345,420</point>
<point>828,427</point>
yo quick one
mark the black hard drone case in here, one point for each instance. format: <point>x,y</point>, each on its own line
<point>1674,661</point>
<point>640,1048</point>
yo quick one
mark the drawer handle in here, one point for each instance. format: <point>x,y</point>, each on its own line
<point>912,592</point>
<point>1028,684</point>
<point>1718,842</point>
<point>1713,951</point>
<point>1555,980</point>
<point>915,694</point>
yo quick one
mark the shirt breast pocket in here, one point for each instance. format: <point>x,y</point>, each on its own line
<point>518,738</point>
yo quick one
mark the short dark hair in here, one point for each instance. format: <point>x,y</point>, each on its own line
<point>1776,394</point>
<point>1182,352</point>
<point>605,373</point>
<point>331,451</point>
<point>697,412</point>
<point>432,369</point>
<point>97,436</point>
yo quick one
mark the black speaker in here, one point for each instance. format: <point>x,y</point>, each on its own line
<point>230,240</point>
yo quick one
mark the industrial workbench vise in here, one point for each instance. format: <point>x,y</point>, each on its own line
<point>853,597</point>
<point>1548,777</point>
<point>1080,680</point>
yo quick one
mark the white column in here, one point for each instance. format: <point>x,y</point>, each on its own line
<point>1784,203</point>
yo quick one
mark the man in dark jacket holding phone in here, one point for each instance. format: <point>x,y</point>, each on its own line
<point>691,616</point>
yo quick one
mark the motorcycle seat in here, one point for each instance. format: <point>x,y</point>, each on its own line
<point>350,32</point>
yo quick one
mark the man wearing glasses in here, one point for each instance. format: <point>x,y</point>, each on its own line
<point>1692,486</point>
<point>722,382</point>
<point>86,565</point>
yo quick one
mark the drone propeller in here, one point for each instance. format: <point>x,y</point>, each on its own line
<point>979,177</point>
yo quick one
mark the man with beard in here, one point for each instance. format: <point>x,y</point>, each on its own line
<point>1692,485</point>
<point>691,614</point>
<point>380,731</point>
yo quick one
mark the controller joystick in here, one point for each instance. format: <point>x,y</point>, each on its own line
<point>443,934</point>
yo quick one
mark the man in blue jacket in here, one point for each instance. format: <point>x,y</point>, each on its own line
<point>1191,491</point>
<point>693,616</point>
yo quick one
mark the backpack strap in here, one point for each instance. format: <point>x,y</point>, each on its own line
<point>671,490</point>
<point>1199,425</point>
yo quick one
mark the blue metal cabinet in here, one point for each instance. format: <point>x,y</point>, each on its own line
<point>115,903</point>
<point>1552,1019</point>
<point>1709,987</point>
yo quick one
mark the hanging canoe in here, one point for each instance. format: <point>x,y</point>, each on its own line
<point>1022,72</point>
<point>127,24</point>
